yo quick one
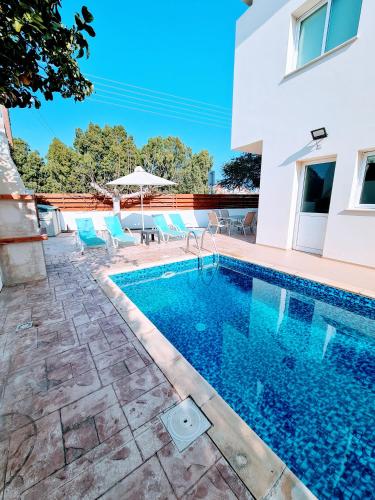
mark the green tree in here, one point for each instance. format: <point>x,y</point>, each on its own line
<point>39,53</point>
<point>170,158</point>
<point>106,153</point>
<point>101,154</point>
<point>194,178</point>
<point>63,172</point>
<point>242,172</point>
<point>29,164</point>
<point>166,157</point>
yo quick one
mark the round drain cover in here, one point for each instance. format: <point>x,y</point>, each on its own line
<point>201,327</point>
<point>185,423</point>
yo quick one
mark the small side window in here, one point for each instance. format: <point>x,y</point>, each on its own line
<point>326,26</point>
<point>367,193</point>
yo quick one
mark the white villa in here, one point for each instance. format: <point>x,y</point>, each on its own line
<point>301,66</point>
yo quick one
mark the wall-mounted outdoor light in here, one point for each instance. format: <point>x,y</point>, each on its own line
<point>319,133</point>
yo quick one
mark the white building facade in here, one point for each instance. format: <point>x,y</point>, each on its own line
<point>300,66</point>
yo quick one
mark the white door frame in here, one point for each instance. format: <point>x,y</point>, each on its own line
<point>301,184</point>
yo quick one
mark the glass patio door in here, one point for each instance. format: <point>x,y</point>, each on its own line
<point>312,215</point>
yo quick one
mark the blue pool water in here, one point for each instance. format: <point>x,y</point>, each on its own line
<point>295,359</point>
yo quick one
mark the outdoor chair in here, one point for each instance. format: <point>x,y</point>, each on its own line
<point>224,213</point>
<point>165,230</point>
<point>179,225</point>
<point>117,233</point>
<point>86,235</point>
<point>245,223</point>
<point>218,224</point>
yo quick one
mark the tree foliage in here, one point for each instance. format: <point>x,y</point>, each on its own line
<point>63,171</point>
<point>101,154</point>
<point>29,164</point>
<point>194,178</point>
<point>39,54</point>
<point>170,158</point>
<point>105,153</point>
<point>242,172</point>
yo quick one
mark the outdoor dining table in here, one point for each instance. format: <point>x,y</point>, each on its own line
<point>237,217</point>
<point>232,218</point>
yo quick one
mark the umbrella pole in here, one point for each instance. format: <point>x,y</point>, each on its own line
<point>143,220</point>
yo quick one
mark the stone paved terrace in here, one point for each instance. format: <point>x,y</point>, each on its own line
<point>81,398</point>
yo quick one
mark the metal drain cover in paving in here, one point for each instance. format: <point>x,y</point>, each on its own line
<point>185,423</point>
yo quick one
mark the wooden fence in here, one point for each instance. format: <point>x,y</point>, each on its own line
<point>87,202</point>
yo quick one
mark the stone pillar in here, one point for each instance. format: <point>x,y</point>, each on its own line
<point>21,247</point>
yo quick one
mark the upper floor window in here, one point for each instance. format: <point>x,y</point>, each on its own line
<point>328,25</point>
<point>367,181</point>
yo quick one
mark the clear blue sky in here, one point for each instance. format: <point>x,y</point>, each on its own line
<point>171,46</point>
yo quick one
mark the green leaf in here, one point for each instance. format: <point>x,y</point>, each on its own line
<point>79,23</point>
<point>89,29</point>
<point>87,16</point>
<point>17,25</point>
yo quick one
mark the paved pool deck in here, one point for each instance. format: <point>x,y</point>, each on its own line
<point>83,389</point>
<point>81,398</point>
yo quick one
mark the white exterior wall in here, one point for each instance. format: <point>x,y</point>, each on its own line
<point>132,219</point>
<point>274,114</point>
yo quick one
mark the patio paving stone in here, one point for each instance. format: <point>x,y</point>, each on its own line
<point>186,468</point>
<point>78,358</point>
<point>97,478</point>
<point>35,452</point>
<point>89,332</point>
<point>231,478</point>
<point>133,386</point>
<point>148,481</point>
<point>151,437</point>
<point>69,472</point>
<point>26,382</point>
<point>150,404</point>
<point>109,358</point>
<point>79,439</point>
<point>86,407</point>
<point>44,403</point>
<point>109,422</point>
<point>98,346</point>
<point>134,363</point>
<point>81,398</point>
<point>117,335</point>
<point>113,373</point>
<point>211,487</point>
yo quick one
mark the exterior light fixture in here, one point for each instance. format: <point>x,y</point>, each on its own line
<point>319,133</point>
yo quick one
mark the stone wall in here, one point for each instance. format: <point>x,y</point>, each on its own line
<point>20,260</point>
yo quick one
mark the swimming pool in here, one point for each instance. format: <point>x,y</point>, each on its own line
<point>294,358</point>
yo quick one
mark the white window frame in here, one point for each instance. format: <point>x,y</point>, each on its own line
<point>325,32</point>
<point>361,179</point>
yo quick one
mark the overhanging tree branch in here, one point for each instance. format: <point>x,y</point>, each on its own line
<point>33,40</point>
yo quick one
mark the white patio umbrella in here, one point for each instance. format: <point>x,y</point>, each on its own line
<point>141,178</point>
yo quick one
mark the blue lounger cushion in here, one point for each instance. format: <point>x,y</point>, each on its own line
<point>116,231</point>
<point>87,233</point>
<point>178,222</point>
<point>162,225</point>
